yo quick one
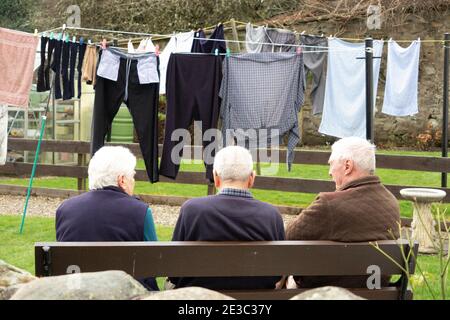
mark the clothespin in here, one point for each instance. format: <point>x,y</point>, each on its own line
<point>303,32</point>
<point>35,32</point>
<point>157,50</point>
<point>60,36</point>
<point>74,39</point>
<point>216,52</point>
<point>51,35</point>
<point>228,52</point>
<point>89,42</point>
<point>67,37</point>
<point>299,50</point>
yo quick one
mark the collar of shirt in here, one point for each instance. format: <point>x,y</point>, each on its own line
<point>236,192</point>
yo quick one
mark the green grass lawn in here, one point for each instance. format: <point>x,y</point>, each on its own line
<point>388,176</point>
<point>18,250</point>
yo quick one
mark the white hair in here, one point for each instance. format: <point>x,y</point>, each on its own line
<point>359,150</point>
<point>107,164</point>
<point>233,163</point>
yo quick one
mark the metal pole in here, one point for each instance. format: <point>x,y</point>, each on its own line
<point>445,107</point>
<point>369,89</point>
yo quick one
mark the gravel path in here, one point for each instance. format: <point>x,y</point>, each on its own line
<point>46,207</point>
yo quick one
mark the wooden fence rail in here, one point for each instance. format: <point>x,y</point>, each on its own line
<point>79,171</point>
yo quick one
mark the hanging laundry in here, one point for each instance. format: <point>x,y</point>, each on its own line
<point>204,45</point>
<point>43,75</point>
<point>88,72</point>
<point>72,69</point>
<point>315,61</point>
<point>145,46</point>
<point>280,36</point>
<point>41,84</point>
<point>133,79</point>
<point>3,133</point>
<point>255,38</point>
<point>56,67</point>
<point>344,110</point>
<point>180,42</point>
<point>402,79</point>
<point>193,83</point>
<point>17,55</point>
<point>66,51</point>
<point>81,54</point>
<point>263,91</point>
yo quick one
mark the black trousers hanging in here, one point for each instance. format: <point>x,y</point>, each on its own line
<point>50,51</point>
<point>142,102</point>
<point>192,93</point>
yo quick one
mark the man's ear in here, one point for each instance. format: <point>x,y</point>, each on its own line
<point>217,181</point>
<point>120,181</point>
<point>349,166</point>
<point>251,180</point>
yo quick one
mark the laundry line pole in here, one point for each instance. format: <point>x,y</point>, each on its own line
<point>369,89</point>
<point>444,142</point>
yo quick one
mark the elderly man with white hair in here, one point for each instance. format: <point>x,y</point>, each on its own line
<point>361,209</point>
<point>231,215</point>
<point>108,212</point>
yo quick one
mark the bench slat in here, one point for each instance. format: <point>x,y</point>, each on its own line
<point>265,258</point>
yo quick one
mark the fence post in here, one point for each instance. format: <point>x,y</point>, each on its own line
<point>444,142</point>
<point>81,181</point>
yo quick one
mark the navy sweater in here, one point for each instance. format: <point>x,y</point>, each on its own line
<point>228,218</point>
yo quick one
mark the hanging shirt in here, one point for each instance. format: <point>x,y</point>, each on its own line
<point>145,46</point>
<point>344,110</point>
<point>3,133</point>
<point>279,37</point>
<point>402,78</point>
<point>255,38</point>
<point>263,91</point>
<point>203,45</point>
<point>178,43</point>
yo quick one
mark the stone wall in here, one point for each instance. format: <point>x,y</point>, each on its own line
<point>395,131</point>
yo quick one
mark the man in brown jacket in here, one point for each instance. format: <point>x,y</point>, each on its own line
<point>361,209</point>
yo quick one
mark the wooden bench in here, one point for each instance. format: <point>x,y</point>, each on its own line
<point>268,258</point>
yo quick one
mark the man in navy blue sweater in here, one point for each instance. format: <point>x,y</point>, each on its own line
<point>231,215</point>
<point>109,211</point>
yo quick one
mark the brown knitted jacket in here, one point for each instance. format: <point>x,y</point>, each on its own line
<point>361,210</point>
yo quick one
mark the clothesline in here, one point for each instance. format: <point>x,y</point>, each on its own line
<point>166,36</point>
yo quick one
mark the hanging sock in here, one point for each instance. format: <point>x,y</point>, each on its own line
<point>82,51</point>
<point>56,67</point>
<point>72,65</point>
<point>41,84</point>
<point>402,78</point>
<point>344,110</point>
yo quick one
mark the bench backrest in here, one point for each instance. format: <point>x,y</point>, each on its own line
<point>265,258</point>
